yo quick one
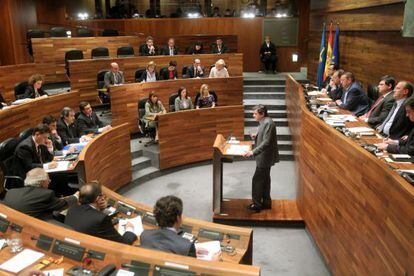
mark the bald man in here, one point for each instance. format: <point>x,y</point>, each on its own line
<point>114,77</point>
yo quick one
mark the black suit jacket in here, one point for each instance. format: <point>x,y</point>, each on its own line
<point>355,100</point>
<point>215,50</point>
<point>271,48</point>
<point>68,133</point>
<point>381,111</point>
<point>166,51</point>
<point>191,74</point>
<point>403,146</point>
<point>88,124</point>
<point>168,241</point>
<point>193,51</point>
<point>86,219</point>
<point>36,202</point>
<point>165,74</point>
<point>26,158</point>
<point>266,151</point>
<point>144,76</point>
<point>144,50</point>
<point>335,94</point>
<point>401,125</point>
<point>30,92</point>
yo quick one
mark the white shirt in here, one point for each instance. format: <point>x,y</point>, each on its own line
<point>388,124</point>
<point>150,77</point>
<point>223,73</point>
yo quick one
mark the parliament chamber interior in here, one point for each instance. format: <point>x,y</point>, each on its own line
<point>202,137</point>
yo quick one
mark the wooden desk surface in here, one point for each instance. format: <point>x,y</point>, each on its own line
<point>359,212</point>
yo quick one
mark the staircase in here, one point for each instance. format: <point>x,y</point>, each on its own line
<point>271,93</point>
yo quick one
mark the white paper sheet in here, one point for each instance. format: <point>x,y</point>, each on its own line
<point>360,129</point>
<point>397,156</point>
<point>61,166</point>
<point>324,99</point>
<point>137,222</point>
<point>315,93</point>
<point>345,118</point>
<point>54,272</point>
<point>21,260</point>
<point>237,149</point>
<point>208,251</point>
<point>123,272</point>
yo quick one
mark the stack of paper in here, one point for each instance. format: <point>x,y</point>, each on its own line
<point>21,261</point>
<point>361,130</point>
<point>344,118</point>
<point>136,222</point>
<point>238,149</point>
<point>315,93</point>
<point>61,166</point>
<point>208,251</point>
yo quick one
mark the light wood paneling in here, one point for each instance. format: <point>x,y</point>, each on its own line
<point>124,99</point>
<point>198,128</point>
<point>331,6</point>
<point>83,72</point>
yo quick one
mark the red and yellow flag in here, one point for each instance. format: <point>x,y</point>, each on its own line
<point>328,52</point>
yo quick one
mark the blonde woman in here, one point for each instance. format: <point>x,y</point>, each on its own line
<point>206,99</point>
<point>219,70</point>
<point>150,75</point>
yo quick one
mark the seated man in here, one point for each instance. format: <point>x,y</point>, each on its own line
<point>353,98</point>
<point>114,77</point>
<point>195,70</point>
<point>268,54</point>
<point>66,127</point>
<point>88,121</point>
<point>330,72</point>
<point>397,124</point>
<point>405,145</point>
<point>170,49</point>
<point>168,214</point>
<point>35,199</point>
<point>219,70</point>
<point>50,121</point>
<point>380,109</point>
<point>88,217</point>
<point>219,47</point>
<point>334,89</point>
<point>148,49</point>
<point>33,151</point>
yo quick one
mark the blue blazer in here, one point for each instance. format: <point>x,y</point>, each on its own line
<point>355,100</point>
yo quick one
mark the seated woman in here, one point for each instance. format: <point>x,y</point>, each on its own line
<point>170,73</point>
<point>205,99</point>
<point>197,49</point>
<point>153,107</point>
<point>150,75</point>
<point>34,89</point>
<point>183,101</point>
<point>219,70</point>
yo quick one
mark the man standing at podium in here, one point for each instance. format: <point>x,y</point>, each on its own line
<point>266,155</point>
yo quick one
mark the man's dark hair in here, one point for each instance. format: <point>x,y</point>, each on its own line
<point>172,63</point>
<point>261,109</point>
<point>89,192</point>
<point>82,105</point>
<point>65,112</point>
<point>389,81</point>
<point>340,72</point>
<point>41,129</point>
<point>167,209</point>
<point>48,119</point>
<point>350,76</point>
<point>409,86</point>
<point>409,103</point>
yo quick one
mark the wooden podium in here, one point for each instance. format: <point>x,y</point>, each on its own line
<point>234,210</point>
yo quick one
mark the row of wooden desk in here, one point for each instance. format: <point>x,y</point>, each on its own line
<point>359,211</point>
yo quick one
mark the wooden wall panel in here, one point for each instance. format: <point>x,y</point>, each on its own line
<point>13,74</point>
<point>198,127</point>
<point>124,99</point>
<point>358,211</point>
<point>371,44</point>
<point>83,72</point>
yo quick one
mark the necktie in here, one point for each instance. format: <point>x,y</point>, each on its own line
<point>39,154</point>
<point>379,100</point>
<point>171,52</point>
<point>381,127</point>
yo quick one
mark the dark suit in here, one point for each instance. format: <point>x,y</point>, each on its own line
<point>380,112</point>
<point>144,50</point>
<point>30,92</point>
<point>268,59</point>
<point>165,74</point>
<point>266,154</point>
<point>88,124</point>
<point>86,219</point>
<point>192,73</point>
<point>193,51</point>
<point>111,78</point>
<point>68,133</point>
<point>166,51</point>
<point>403,146</point>
<point>216,50</point>
<point>144,76</point>
<point>355,100</point>
<point>36,201</point>
<point>401,125</point>
<point>27,158</point>
<point>168,241</point>
<point>335,94</point>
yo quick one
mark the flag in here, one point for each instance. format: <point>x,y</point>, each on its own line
<point>335,53</point>
<point>328,53</point>
<point>322,59</point>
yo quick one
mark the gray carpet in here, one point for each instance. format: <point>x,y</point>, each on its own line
<point>278,251</point>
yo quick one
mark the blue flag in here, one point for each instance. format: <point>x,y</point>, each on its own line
<point>322,59</point>
<point>335,53</point>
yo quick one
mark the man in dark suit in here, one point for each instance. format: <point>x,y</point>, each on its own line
<point>88,217</point>
<point>383,105</point>
<point>148,49</point>
<point>334,89</point>
<point>57,144</point>
<point>219,47</point>
<point>66,127</point>
<point>170,49</point>
<point>88,121</point>
<point>404,145</point>
<point>268,54</point>
<point>35,199</point>
<point>195,70</point>
<point>114,76</point>
<point>353,98</point>
<point>33,151</point>
<point>266,155</point>
<point>397,124</point>
<point>168,214</point>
